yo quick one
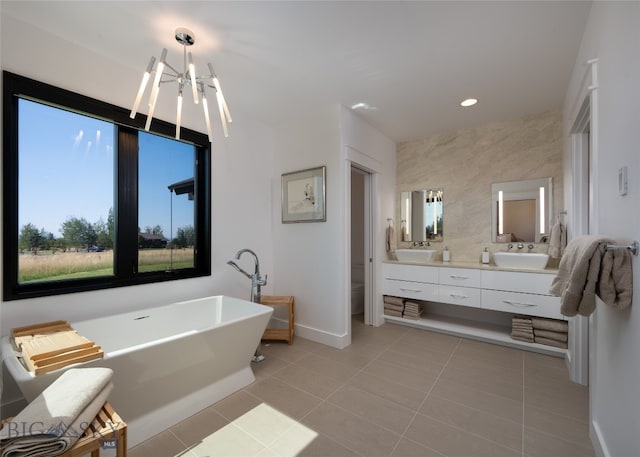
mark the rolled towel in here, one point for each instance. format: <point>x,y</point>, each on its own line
<point>57,418</point>
<point>393,300</point>
<point>550,342</point>
<point>558,336</point>
<point>391,312</point>
<point>550,324</point>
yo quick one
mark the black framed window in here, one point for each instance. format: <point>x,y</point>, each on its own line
<point>92,201</point>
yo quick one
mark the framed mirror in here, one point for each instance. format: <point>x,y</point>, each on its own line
<point>421,215</point>
<point>521,210</point>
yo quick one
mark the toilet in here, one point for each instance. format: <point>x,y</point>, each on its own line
<point>357,288</point>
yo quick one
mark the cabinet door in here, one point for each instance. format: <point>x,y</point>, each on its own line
<point>465,277</point>
<point>532,283</point>
<point>411,289</point>
<point>518,303</point>
<point>415,273</point>
<point>464,296</point>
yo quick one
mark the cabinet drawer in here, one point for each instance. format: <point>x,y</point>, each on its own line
<point>517,303</point>
<point>410,289</point>
<point>464,277</point>
<point>415,273</point>
<point>532,283</point>
<point>464,296</point>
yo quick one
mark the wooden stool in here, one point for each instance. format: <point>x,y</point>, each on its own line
<point>107,426</point>
<point>285,334</point>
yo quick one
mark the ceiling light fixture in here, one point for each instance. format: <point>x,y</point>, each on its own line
<point>188,77</point>
<point>468,102</point>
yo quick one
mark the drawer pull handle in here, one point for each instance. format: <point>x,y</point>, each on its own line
<point>517,304</point>
<point>458,277</point>
<point>458,296</point>
<point>411,290</point>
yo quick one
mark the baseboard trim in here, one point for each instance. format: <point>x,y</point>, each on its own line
<point>321,336</point>
<point>597,441</point>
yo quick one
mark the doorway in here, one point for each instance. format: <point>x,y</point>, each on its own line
<point>361,246</point>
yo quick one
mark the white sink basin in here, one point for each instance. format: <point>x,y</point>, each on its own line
<point>521,260</point>
<point>416,255</point>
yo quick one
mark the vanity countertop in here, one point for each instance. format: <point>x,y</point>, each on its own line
<point>474,265</point>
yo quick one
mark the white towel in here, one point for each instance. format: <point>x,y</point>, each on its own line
<point>391,242</point>
<point>557,241</point>
<point>55,420</point>
<point>578,274</point>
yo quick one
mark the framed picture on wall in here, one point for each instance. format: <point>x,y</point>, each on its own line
<point>303,196</point>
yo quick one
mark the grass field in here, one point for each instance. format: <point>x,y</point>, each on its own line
<point>69,265</point>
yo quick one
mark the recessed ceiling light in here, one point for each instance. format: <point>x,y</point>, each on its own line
<point>468,102</point>
<point>363,106</point>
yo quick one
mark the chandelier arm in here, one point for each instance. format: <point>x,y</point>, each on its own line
<point>176,73</point>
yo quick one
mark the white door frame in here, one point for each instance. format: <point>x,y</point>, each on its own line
<point>584,207</point>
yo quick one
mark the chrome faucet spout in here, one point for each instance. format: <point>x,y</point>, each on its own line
<point>255,257</point>
<point>235,265</point>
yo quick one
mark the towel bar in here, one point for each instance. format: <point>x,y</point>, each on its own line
<point>633,247</point>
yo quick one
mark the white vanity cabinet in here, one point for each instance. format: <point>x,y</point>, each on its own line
<point>485,289</point>
<point>459,286</point>
<point>520,293</point>
<point>417,282</point>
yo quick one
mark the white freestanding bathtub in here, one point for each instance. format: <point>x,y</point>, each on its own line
<point>169,362</point>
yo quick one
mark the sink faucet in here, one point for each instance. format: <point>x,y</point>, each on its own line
<point>421,243</point>
<point>520,246</point>
<point>256,280</point>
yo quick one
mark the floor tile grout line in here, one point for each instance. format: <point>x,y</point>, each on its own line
<point>427,396</point>
<point>325,400</point>
<point>523,403</point>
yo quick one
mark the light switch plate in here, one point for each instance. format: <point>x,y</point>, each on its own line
<point>623,184</point>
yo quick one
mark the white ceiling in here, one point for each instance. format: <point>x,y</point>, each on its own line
<point>413,61</point>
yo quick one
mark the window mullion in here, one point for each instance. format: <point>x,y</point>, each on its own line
<point>126,243</point>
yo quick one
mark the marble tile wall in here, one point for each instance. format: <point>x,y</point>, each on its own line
<point>466,162</point>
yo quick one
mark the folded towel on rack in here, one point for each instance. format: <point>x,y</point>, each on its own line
<point>391,312</point>
<point>554,325</point>
<point>394,307</point>
<point>390,242</point>
<point>526,339</point>
<point>615,284</point>
<point>558,336</point>
<point>578,274</point>
<point>557,240</point>
<point>550,342</point>
<point>522,333</point>
<point>393,300</point>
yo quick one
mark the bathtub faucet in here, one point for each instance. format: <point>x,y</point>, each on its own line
<point>256,280</point>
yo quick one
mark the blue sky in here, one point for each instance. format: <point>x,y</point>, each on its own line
<point>66,169</point>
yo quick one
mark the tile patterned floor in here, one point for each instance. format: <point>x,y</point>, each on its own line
<point>396,391</point>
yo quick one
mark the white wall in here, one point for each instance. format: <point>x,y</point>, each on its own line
<point>242,166</point>
<point>612,35</point>
<point>306,254</point>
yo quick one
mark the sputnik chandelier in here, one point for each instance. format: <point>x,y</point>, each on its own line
<point>165,73</point>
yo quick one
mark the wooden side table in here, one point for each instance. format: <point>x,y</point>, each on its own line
<point>283,334</point>
<point>107,426</point>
